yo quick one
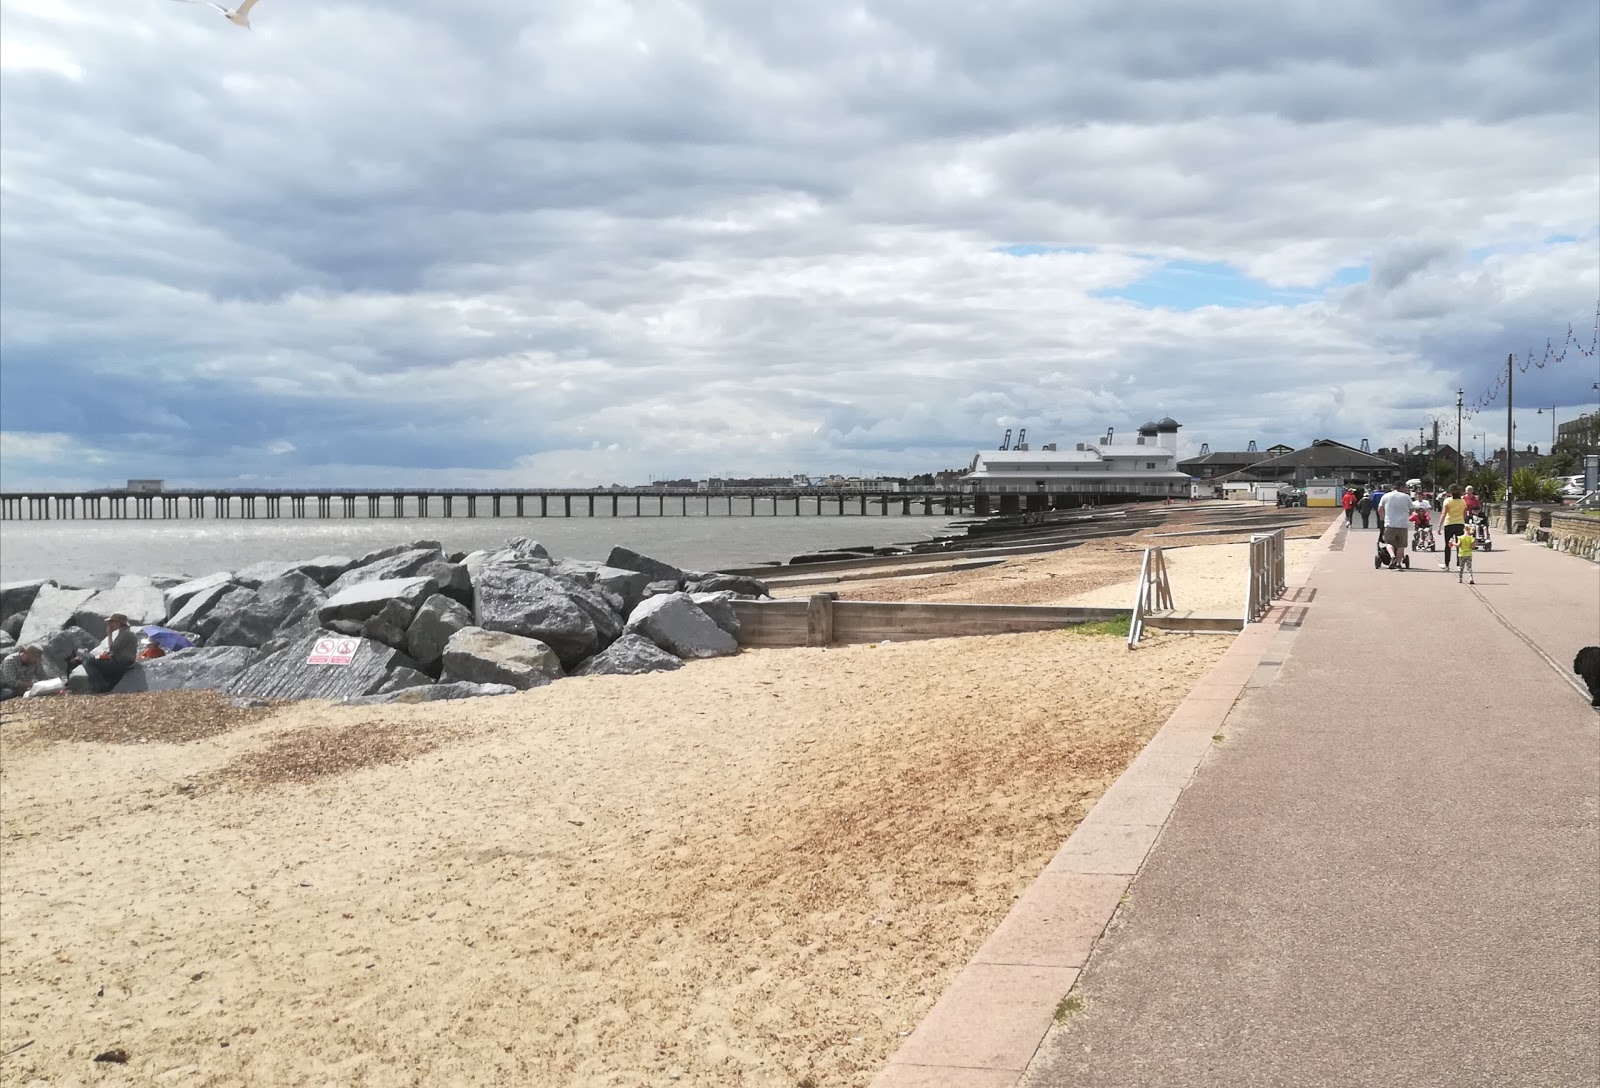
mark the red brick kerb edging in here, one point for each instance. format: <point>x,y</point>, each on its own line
<point>984,1029</point>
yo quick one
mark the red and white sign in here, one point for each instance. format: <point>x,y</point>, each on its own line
<point>334,651</point>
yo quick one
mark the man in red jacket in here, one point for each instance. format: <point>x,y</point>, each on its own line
<point>1349,506</point>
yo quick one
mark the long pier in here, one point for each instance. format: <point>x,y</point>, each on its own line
<point>193,505</point>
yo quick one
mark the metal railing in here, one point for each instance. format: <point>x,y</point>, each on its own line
<point>1266,577</point>
<point>1155,593</point>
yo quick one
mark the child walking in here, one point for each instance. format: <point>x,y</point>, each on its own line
<point>1464,544</point>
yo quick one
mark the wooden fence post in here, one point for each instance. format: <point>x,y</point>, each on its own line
<point>819,619</point>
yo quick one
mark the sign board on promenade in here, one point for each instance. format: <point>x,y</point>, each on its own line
<point>334,651</point>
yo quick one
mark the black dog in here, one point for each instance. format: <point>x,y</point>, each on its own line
<point>1587,665</point>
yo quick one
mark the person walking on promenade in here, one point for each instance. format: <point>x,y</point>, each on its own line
<point>1364,508</point>
<point>1349,504</point>
<point>1454,520</point>
<point>1377,505</point>
<point>1395,516</point>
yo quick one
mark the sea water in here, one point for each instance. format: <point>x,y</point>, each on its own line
<point>65,550</point>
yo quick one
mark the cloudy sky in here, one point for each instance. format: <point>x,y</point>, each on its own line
<point>584,241</point>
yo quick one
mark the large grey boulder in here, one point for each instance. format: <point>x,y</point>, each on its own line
<point>286,675</point>
<point>676,624</point>
<point>133,596</point>
<point>523,548</point>
<point>364,599</point>
<point>389,625</point>
<point>395,549</point>
<point>193,669</point>
<point>97,582</point>
<point>477,656</point>
<point>283,603</point>
<point>18,597</point>
<point>12,624</point>
<point>182,593</point>
<point>324,569</point>
<point>257,573</point>
<point>52,609</point>
<point>403,679</point>
<point>628,585</point>
<point>630,655</point>
<point>658,589</point>
<point>719,606</point>
<point>628,559</point>
<point>732,583</point>
<point>453,580</point>
<point>401,565</point>
<point>164,582</point>
<point>527,603</point>
<point>196,615</point>
<point>433,693</point>
<point>7,639</point>
<point>58,646</point>
<point>603,608</point>
<point>437,619</point>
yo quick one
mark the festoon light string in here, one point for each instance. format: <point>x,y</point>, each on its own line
<point>1551,356</point>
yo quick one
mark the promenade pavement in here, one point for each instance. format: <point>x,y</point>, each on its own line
<point>1387,871</point>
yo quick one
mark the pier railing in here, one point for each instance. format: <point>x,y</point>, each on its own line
<point>1266,576</point>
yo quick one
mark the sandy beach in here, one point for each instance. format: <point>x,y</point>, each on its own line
<point>758,870</point>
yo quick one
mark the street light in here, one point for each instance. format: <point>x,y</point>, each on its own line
<point>1459,394</point>
<point>1540,412</point>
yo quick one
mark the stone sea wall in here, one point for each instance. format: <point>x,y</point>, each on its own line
<point>425,625</point>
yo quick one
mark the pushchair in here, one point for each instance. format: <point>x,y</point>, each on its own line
<point>1479,523</point>
<point>1385,558</point>
<point>1422,533</point>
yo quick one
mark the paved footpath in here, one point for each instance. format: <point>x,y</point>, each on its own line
<point>1388,871</point>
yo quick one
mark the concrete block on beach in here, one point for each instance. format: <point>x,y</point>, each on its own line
<point>52,609</point>
<point>199,668</point>
<point>133,596</point>
<point>286,675</point>
<point>676,624</point>
<point>18,597</point>
<point>182,593</point>
<point>477,656</point>
<point>527,603</point>
<point>630,655</point>
<point>363,599</point>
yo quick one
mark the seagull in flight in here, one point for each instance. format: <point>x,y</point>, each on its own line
<point>239,16</point>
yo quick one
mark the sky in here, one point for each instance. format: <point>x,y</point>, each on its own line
<point>494,243</point>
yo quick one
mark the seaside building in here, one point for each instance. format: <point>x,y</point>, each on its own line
<point>1324,459</point>
<point>1091,473</point>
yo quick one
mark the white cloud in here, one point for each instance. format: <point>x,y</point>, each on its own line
<point>601,238</point>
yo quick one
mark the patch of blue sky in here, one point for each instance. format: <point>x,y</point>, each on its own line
<point>1191,285</point>
<point>1030,249</point>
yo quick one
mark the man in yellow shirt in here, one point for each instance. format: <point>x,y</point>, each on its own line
<point>1454,520</point>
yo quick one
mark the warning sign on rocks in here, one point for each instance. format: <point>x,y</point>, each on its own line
<point>334,651</point>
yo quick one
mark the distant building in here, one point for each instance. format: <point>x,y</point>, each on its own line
<point>1324,459</point>
<point>146,487</point>
<point>1091,472</point>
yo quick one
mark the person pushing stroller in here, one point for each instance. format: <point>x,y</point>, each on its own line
<point>1394,510</point>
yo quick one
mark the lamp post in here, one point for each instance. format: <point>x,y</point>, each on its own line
<point>1511,443</point>
<point>1552,425</point>
<point>1459,394</point>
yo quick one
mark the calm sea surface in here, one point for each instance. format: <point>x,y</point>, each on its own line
<point>65,550</point>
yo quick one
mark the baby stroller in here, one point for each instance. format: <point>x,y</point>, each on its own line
<point>1422,533</point>
<point>1385,558</point>
<point>1479,523</point>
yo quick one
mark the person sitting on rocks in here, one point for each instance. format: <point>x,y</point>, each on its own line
<point>20,671</point>
<point>115,655</point>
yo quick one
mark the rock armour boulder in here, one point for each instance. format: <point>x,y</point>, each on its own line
<point>193,669</point>
<point>477,656</point>
<point>285,603</point>
<point>433,693</point>
<point>657,571</point>
<point>437,619</point>
<point>184,592</point>
<point>285,675</point>
<point>630,655</point>
<point>18,597</point>
<point>133,596</point>
<point>405,564</point>
<point>52,610</point>
<point>365,599</point>
<point>676,624</point>
<point>533,605</point>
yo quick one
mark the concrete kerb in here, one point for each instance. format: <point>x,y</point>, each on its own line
<point>984,1030</point>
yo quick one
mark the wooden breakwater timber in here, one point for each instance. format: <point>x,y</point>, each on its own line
<point>823,620</point>
<point>120,505</point>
